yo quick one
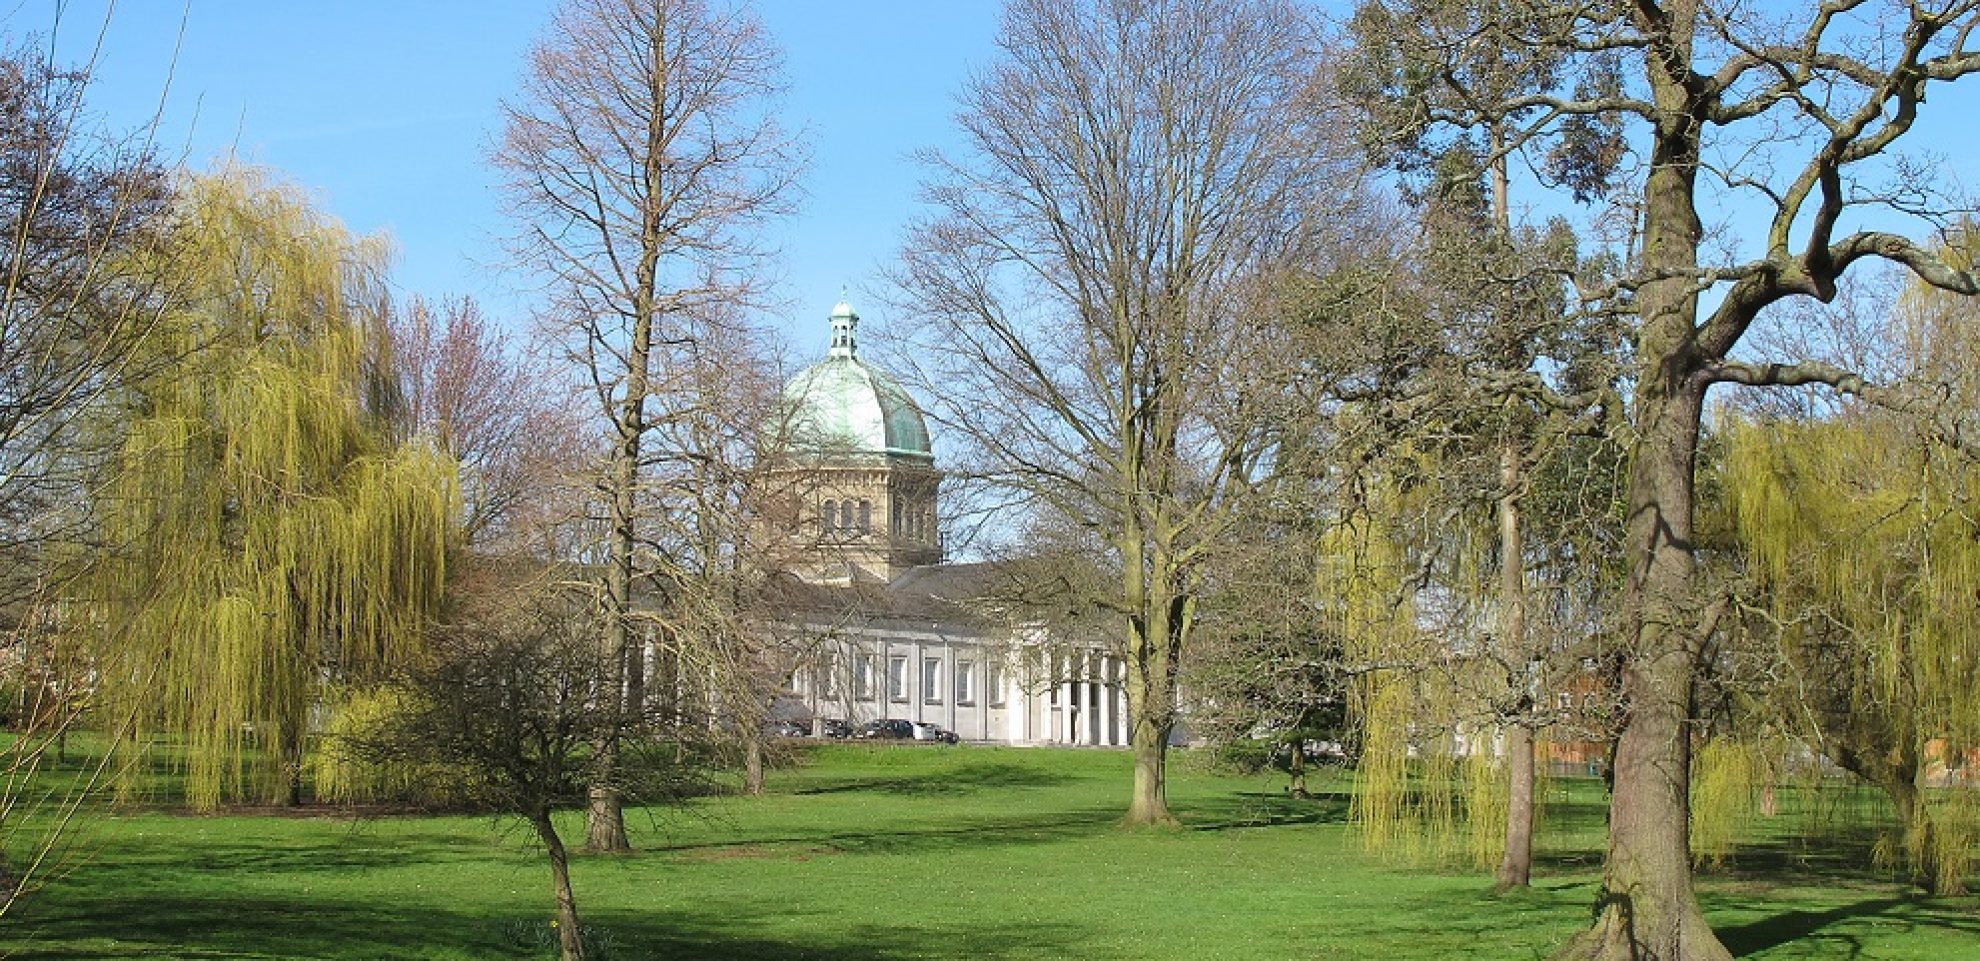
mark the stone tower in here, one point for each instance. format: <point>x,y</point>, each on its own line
<point>855,473</point>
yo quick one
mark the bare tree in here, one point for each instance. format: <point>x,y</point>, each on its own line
<point>714,534</point>
<point>501,416</point>
<point>79,209</point>
<point>75,207</point>
<point>1135,174</point>
<point>641,160</point>
<point>1790,114</point>
<point>511,707</point>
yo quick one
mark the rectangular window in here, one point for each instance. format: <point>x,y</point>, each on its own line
<point>897,677</point>
<point>997,684</point>
<point>965,682</point>
<point>829,686</point>
<point>931,680</point>
<point>865,667</point>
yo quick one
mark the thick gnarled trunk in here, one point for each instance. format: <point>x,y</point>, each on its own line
<point>1648,910</point>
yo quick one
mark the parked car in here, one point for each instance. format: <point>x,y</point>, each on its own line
<point>834,727</point>
<point>790,728</point>
<point>887,728</point>
<point>924,731</point>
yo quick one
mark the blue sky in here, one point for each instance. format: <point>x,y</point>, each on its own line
<point>385,110</point>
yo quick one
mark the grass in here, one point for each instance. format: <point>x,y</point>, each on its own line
<point>909,852</point>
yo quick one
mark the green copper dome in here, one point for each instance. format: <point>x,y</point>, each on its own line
<point>843,406</point>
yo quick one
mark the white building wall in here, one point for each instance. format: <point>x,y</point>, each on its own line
<point>1081,702</point>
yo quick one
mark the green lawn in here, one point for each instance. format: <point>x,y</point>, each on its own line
<point>919,852</point>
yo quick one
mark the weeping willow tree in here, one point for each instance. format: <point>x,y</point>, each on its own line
<point>267,539</point>
<point>1868,548</point>
<point>1428,782</point>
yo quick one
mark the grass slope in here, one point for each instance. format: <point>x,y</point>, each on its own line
<point>895,853</point>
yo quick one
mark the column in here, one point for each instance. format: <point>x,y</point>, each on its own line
<point>1067,708</point>
<point>1107,701</point>
<point>1086,696</point>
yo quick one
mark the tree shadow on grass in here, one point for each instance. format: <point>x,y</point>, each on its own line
<point>280,927</point>
<point>1836,857</point>
<point>139,857</point>
<point>1262,809</point>
<point>713,937</point>
<point>154,926</point>
<point>1754,937</point>
<point>966,778</point>
<point>950,835</point>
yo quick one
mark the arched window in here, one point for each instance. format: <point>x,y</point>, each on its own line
<point>829,517</point>
<point>865,516</point>
<point>894,525</point>
<point>846,515</point>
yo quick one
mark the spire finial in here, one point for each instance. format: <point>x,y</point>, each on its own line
<point>844,320</point>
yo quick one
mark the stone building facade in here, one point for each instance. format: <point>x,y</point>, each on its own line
<point>887,628</point>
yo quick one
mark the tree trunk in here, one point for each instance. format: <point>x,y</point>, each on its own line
<point>1516,866</point>
<point>753,764</point>
<point>292,765</point>
<point>1149,805</point>
<point>1648,910</point>
<point>1894,770</point>
<point>1151,637</point>
<point>605,821</point>
<point>1297,766</point>
<point>570,938</point>
<point>638,645</point>
<point>1920,836</point>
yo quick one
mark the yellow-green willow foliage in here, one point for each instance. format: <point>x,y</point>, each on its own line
<point>266,536</point>
<point>348,768</point>
<point>1409,785</point>
<point>1727,778</point>
<point>1868,545</point>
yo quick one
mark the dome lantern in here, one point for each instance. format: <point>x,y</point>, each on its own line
<point>844,322</point>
